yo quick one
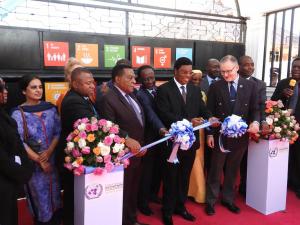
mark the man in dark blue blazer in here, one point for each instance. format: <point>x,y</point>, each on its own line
<point>154,128</point>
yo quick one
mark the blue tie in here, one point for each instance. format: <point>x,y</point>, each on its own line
<point>232,93</point>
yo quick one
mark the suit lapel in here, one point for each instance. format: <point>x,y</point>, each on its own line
<point>225,95</point>
<point>177,93</point>
<point>239,96</point>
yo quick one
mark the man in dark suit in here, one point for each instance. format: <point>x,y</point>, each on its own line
<point>154,129</point>
<point>230,95</point>
<point>286,93</point>
<point>246,70</point>
<point>176,100</point>
<point>75,105</point>
<point>120,106</point>
<point>212,74</point>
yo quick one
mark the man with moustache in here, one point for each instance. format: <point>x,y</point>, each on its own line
<point>246,70</point>
<point>178,99</point>
<point>120,106</point>
<point>230,95</point>
<point>288,95</point>
<point>75,105</point>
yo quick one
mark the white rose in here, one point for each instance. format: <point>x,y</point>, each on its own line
<point>269,121</point>
<point>104,150</point>
<point>277,129</point>
<point>112,136</point>
<point>70,145</point>
<point>291,124</point>
<point>75,164</point>
<point>275,119</point>
<point>81,143</point>
<point>108,124</point>
<point>81,127</point>
<point>118,147</point>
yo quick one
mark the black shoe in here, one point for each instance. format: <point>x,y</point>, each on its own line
<point>231,207</point>
<point>145,210</point>
<point>167,219</point>
<point>210,210</point>
<point>242,192</point>
<point>186,215</point>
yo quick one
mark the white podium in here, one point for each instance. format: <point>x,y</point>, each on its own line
<point>99,199</point>
<point>267,175</point>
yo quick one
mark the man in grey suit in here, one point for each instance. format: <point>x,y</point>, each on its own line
<point>213,73</point>
<point>230,95</point>
<point>246,70</point>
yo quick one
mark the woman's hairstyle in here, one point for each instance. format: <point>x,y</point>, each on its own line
<point>70,64</point>
<point>25,80</point>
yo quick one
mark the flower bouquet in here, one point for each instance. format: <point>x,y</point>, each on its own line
<point>282,125</point>
<point>94,147</point>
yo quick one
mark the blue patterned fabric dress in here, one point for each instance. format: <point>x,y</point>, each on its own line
<point>43,189</point>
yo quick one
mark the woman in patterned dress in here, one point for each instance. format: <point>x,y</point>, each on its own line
<point>42,125</point>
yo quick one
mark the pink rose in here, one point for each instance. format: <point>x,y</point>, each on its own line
<point>105,129</point>
<point>126,163</point>
<point>99,159</point>
<point>85,120</point>
<point>94,127</point>
<point>70,137</point>
<point>76,124</point>
<point>88,127</point>
<point>82,135</point>
<point>94,120</point>
<point>114,130</point>
<point>102,122</point>
<point>99,171</point>
<point>121,153</point>
<point>109,166</point>
<point>68,166</point>
<point>117,139</point>
<point>79,170</point>
<point>86,150</point>
<point>76,153</point>
<point>108,141</point>
<point>107,158</point>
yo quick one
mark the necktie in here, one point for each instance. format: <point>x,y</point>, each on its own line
<point>232,92</point>
<point>92,107</point>
<point>183,93</point>
<point>212,81</point>
<point>138,114</point>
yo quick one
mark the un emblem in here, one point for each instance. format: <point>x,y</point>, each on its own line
<point>93,191</point>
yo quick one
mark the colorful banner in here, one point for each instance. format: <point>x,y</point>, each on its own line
<point>55,53</point>
<point>87,54</point>
<point>184,52</point>
<point>54,89</point>
<point>140,55</point>
<point>162,58</point>
<point>112,53</point>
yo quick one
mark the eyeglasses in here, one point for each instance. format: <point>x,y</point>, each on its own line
<point>227,71</point>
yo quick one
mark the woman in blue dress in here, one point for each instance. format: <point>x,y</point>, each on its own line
<point>39,127</point>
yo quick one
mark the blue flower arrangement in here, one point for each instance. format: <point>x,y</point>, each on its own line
<point>233,126</point>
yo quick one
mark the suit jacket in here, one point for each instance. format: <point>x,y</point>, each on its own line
<point>171,107</point>
<point>278,94</point>
<point>115,107</point>
<point>262,96</point>
<point>153,122</point>
<point>12,174</point>
<point>73,107</point>
<point>246,104</point>
<point>204,85</point>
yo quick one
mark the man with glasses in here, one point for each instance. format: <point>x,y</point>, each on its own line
<point>230,95</point>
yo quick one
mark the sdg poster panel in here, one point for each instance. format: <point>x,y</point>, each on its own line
<point>140,55</point>
<point>55,53</point>
<point>87,54</point>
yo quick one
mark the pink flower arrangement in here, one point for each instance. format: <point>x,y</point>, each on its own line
<point>282,125</point>
<point>94,145</point>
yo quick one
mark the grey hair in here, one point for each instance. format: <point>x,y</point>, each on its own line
<point>229,58</point>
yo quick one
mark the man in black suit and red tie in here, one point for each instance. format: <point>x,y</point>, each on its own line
<point>290,98</point>
<point>75,105</point>
<point>176,100</point>
<point>120,106</point>
<point>230,95</point>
